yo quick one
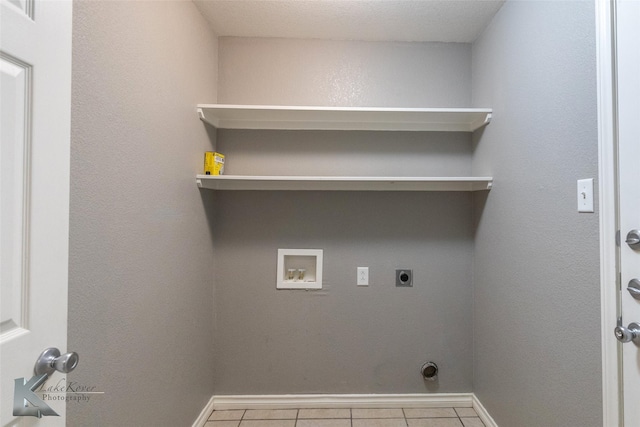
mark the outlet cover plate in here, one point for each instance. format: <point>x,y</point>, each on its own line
<point>363,276</point>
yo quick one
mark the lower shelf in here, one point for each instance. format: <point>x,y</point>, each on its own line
<point>343,183</point>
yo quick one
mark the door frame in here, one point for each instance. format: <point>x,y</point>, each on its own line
<point>607,179</point>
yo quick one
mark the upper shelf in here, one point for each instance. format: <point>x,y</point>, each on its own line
<point>343,118</point>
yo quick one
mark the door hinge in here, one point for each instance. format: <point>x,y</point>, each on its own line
<point>619,281</point>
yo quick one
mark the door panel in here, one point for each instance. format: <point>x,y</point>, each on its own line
<point>35,68</point>
<point>15,81</point>
<point>628,68</point>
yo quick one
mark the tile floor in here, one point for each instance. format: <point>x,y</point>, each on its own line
<point>409,417</point>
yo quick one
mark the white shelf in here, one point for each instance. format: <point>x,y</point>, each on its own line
<point>343,118</point>
<point>343,183</point>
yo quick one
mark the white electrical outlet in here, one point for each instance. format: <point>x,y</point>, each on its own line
<point>363,276</point>
<point>585,195</point>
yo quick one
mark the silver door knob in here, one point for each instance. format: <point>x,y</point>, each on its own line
<point>50,361</point>
<point>631,333</point>
<point>633,239</point>
<point>634,288</point>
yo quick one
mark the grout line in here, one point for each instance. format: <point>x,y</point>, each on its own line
<point>297,416</point>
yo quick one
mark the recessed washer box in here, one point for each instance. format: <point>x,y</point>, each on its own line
<point>299,269</point>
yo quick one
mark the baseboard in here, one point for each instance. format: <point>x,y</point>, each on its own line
<point>285,401</point>
<point>483,413</point>
<point>204,414</point>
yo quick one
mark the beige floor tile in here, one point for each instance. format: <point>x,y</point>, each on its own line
<point>434,422</point>
<point>324,413</point>
<point>270,414</point>
<point>430,413</point>
<point>379,422</point>
<point>472,422</point>
<point>377,413</point>
<point>466,412</point>
<point>227,415</point>
<point>324,423</point>
<point>234,423</point>
<point>268,423</point>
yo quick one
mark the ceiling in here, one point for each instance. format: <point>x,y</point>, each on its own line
<point>375,20</point>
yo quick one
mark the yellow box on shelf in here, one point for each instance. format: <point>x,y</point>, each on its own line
<point>213,163</point>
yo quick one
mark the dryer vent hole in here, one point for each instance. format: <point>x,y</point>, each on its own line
<point>430,371</point>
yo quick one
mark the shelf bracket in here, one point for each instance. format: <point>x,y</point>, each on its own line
<point>481,123</point>
<point>203,117</point>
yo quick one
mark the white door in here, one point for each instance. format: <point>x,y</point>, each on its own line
<point>35,68</point>
<point>628,73</point>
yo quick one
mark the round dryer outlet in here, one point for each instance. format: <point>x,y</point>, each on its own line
<point>404,278</point>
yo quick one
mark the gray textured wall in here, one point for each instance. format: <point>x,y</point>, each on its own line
<point>334,73</point>
<point>140,279</point>
<point>344,338</point>
<point>536,275</point>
